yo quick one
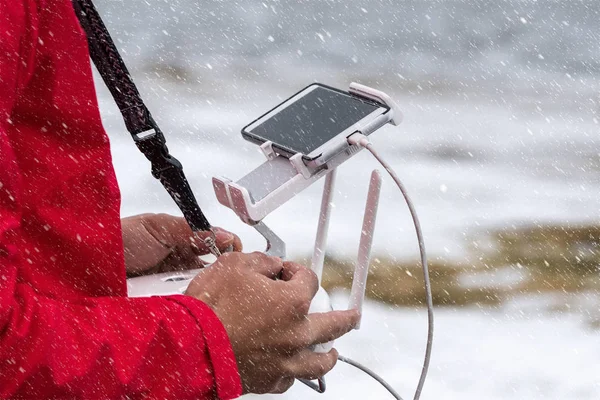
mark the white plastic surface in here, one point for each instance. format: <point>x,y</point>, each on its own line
<point>361,270</point>
<point>240,196</point>
<point>163,284</point>
<point>379,96</point>
<point>320,304</point>
<point>321,240</point>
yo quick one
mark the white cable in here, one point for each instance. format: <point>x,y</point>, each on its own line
<point>362,140</point>
<point>372,374</point>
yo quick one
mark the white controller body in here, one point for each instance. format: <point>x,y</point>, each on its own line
<point>170,283</point>
<point>321,304</point>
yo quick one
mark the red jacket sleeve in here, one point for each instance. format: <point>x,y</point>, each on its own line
<point>111,348</point>
<point>89,347</point>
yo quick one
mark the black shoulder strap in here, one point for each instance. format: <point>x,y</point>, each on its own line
<point>146,134</point>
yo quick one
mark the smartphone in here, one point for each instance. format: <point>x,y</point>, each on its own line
<point>316,122</point>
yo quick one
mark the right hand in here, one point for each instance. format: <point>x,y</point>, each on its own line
<point>263,303</point>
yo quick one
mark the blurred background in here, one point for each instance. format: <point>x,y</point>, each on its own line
<point>499,149</point>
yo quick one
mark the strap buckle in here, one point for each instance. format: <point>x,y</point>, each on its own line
<point>154,146</point>
<point>169,171</point>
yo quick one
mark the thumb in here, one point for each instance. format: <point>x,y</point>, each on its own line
<point>224,240</point>
<point>175,232</point>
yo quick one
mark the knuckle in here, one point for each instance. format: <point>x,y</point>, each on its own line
<point>278,260</point>
<point>283,385</point>
<point>254,260</point>
<point>318,370</point>
<point>311,276</point>
<point>324,366</point>
<point>298,340</point>
<point>161,220</point>
<point>256,257</point>
<point>289,368</point>
<point>348,322</point>
<point>269,385</point>
<point>303,307</point>
<point>331,360</point>
<point>226,256</point>
<point>293,266</point>
<point>312,281</point>
<point>228,262</point>
<point>303,338</point>
<point>263,261</point>
<point>259,255</point>
<point>288,383</point>
<point>232,257</point>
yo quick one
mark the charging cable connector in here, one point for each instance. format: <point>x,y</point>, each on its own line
<point>358,138</point>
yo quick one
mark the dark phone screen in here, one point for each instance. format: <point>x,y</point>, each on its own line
<point>313,120</point>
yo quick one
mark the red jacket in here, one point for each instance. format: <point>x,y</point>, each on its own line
<point>67,328</point>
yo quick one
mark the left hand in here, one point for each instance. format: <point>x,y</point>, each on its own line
<point>160,243</point>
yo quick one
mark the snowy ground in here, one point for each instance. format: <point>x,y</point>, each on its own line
<point>478,354</point>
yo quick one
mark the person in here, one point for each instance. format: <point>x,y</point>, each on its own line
<point>67,328</point>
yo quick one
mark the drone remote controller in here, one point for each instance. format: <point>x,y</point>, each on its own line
<point>279,179</point>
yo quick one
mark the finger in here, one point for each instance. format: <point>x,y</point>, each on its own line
<point>237,243</point>
<point>257,262</point>
<point>174,232</point>
<point>283,385</point>
<point>325,327</point>
<point>167,228</point>
<point>310,365</point>
<point>223,240</point>
<point>290,268</point>
<point>142,249</point>
<point>303,283</point>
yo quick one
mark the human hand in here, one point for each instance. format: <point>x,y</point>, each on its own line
<point>160,242</point>
<point>263,303</point>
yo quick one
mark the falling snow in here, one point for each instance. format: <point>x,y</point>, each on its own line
<point>501,110</point>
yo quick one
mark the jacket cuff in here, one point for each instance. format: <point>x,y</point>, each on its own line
<point>228,382</point>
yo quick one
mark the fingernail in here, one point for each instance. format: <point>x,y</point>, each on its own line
<point>224,236</point>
